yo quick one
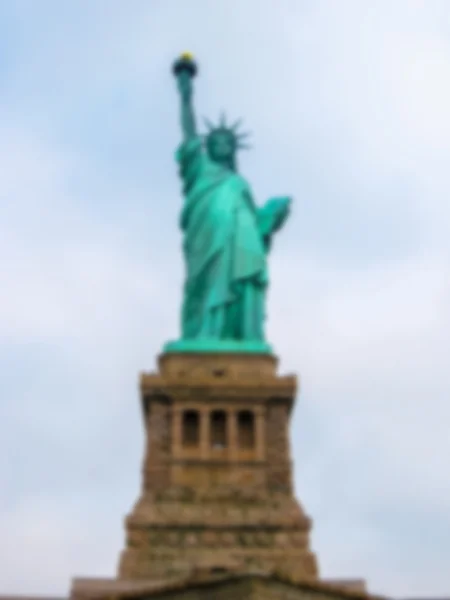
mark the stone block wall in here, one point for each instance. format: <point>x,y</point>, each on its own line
<point>156,468</point>
<point>279,468</point>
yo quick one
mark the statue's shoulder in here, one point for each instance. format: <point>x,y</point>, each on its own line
<point>189,149</point>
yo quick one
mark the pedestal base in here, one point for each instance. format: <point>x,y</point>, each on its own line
<point>171,537</point>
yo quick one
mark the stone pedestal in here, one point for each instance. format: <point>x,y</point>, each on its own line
<point>217,489</point>
<point>216,516</point>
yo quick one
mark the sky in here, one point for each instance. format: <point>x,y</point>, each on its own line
<point>349,105</point>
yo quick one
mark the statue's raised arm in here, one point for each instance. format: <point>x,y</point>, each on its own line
<point>185,70</point>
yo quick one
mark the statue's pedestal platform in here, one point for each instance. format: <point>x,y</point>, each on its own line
<point>214,346</point>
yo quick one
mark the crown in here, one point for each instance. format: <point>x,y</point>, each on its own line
<point>233,130</point>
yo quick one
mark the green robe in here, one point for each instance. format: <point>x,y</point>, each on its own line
<point>225,247</point>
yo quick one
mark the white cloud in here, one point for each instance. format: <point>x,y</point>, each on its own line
<point>43,540</point>
<point>62,272</point>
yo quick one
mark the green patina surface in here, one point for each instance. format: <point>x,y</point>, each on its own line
<point>227,237</point>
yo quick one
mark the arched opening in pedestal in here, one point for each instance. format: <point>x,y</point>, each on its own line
<point>246,429</point>
<point>218,429</point>
<point>191,428</point>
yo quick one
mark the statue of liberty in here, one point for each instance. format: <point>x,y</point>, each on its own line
<point>227,237</point>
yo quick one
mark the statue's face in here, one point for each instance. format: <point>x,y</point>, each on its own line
<point>221,145</point>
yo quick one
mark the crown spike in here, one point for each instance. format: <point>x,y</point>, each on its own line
<point>223,119</point>
<point>236,125</point>
<point>243,135</point>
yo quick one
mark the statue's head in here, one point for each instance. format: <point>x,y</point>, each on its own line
<point>222,142</point>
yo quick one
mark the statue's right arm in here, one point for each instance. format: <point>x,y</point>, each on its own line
<point>188,125</point>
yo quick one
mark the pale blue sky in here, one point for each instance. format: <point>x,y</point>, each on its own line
<point>349,103</point>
